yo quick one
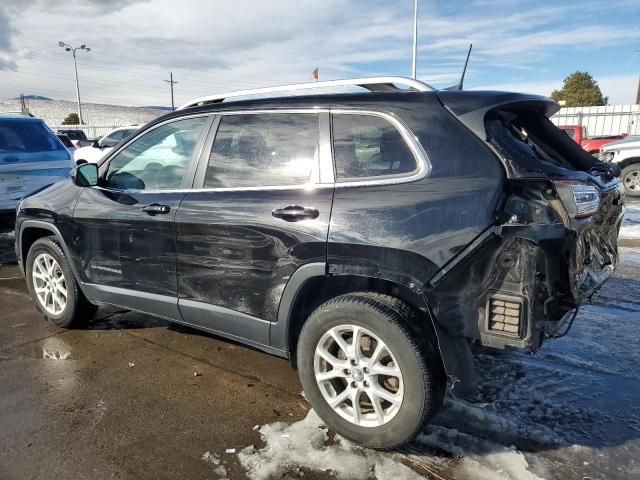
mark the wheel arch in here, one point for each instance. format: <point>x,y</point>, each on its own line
<point>628,161</point>
<point>311,285</point>
<point>32,230</point>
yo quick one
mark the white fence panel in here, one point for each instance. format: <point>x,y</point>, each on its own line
<point>604,120</point>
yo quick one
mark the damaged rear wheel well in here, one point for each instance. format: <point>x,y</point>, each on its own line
<point>318,290</point>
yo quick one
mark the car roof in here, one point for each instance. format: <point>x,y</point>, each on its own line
<point>460,102</point>
<point>20,118</point>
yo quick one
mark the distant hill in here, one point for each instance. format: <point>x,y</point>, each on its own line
<point>34,97</point>
<point>53,112</point>
<point>157,107</point>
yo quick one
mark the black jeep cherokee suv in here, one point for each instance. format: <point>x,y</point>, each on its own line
<point>370,237</point>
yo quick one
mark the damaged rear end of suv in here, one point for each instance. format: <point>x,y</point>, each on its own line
<point>553,243</point>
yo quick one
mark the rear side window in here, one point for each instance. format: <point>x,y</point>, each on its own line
<point>28,137</point>
<point>263,150</point>
<point>570,132</point>
<point>368,146</point>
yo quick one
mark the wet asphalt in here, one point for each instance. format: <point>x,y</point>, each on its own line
<point>129,396</point>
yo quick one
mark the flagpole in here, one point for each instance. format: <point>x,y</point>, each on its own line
<point>415,37</point>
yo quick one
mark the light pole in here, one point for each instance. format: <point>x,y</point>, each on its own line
<point>415,38</point>
<point>69,48</point>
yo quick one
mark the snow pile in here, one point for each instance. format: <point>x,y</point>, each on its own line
<point>304,445</point>
<point>214,459</point>
<point>481,459</point>
<point>631,223</point>
<point>629,256</point>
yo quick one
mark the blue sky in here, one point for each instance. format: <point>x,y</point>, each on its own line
<point>214,46</point>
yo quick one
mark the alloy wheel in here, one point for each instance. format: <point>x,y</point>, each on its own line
<point>632,181</point>
<point>358,376</point>
<point>49,284</point>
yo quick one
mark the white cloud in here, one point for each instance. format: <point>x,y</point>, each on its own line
<point>218,46</point>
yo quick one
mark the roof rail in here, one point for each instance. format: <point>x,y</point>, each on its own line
<point>373,84</point>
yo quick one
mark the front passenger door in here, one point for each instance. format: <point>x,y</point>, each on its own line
<point>124,228</point>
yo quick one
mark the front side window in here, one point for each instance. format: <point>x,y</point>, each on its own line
<point>262,150</point>
<point>368,146</point>
<point>158,159</point>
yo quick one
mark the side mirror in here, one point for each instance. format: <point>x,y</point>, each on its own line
<point>96,144</point>
<point>85,175</point>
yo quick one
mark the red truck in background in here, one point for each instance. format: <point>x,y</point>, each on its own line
<point>591,144</point>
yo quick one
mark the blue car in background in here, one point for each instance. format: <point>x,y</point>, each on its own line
<point>31,157</point>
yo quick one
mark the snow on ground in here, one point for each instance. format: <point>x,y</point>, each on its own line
<point>304,444</point>
<point>631,223</point>
<point>569,411</point>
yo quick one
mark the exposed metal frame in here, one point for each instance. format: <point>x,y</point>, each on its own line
<point>373,84</point>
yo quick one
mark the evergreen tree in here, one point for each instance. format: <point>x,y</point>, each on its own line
<point>71,119</point>
<point>580,90</point>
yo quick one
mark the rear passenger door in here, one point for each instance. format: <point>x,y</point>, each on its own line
<point>257,212</point>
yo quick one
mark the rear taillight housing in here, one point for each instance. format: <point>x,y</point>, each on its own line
<point>76,143</point>
<point>579,199</point>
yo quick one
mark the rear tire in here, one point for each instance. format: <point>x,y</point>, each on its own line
<point>392,407</point>
<point>52,286</point>
<point>631,180</point>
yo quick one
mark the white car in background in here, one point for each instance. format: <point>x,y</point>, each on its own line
<point>626,153</point>
<point>101,147</point>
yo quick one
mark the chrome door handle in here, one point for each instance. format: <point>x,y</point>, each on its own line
<point>294,213</point>
<point>156,209</point>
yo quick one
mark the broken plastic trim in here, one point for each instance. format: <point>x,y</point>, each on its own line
<point>573,317</point>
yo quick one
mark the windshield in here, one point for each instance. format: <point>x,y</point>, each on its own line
<point>21,136</point>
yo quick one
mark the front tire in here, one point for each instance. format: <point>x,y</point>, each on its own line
<point>53,287</point>
<point>631,179</point>
<point>380,389</point>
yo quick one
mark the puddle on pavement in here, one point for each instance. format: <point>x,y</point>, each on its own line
<point>53,348</point>
<point>55,354</point>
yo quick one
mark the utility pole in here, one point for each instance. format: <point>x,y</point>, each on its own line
<point>23,105</point>
<point>415,37</point>
<point>69,48</point>
<point>171,82</point>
